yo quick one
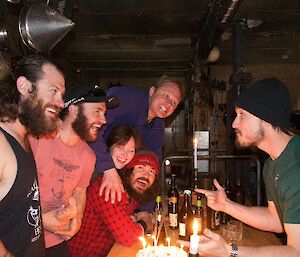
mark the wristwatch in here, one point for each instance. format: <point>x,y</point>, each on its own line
<point>234,250</point>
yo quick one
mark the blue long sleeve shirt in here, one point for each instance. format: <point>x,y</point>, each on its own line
<point>132,110</point>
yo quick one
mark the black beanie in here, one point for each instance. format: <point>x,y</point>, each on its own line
<point>267,99</point>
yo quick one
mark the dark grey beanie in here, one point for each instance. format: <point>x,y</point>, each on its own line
<point>267,99</point>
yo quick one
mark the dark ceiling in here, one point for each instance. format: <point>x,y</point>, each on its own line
<point>138,37</point>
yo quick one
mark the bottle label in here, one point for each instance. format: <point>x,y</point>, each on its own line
<point>182,229</point>
<point>173,219</point>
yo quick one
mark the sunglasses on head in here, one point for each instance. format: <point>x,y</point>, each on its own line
<point>95,91</point>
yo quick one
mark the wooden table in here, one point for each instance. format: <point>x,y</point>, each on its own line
<point>251,237</point>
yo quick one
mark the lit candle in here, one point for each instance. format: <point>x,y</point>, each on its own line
<point>143,240</point>
<point>195,153</point>
<point>169,241</point>
<point>194,239</point>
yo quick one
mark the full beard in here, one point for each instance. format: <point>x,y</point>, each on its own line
<point>81,127</point>
<point>32,116</point>
<point>146,196</point>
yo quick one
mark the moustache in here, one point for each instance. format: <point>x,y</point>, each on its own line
<point>143,179</point>
<point>237,131</point>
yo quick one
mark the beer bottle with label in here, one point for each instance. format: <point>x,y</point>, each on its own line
<point>185,217</point>
<point>173,203</point>
<point>199,215</point>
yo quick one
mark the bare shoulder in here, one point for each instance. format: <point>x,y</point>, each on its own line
<point>8,166</point>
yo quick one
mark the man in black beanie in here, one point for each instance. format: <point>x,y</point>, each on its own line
<point>263,114</point>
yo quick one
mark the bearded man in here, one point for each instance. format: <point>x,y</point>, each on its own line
<point>65,164</point>
<point>30,101</point>
<point>105,223</point>
<point>263,120</point>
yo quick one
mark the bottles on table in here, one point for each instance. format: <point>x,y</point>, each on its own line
<point>185,218</point>
<point>173,203</point>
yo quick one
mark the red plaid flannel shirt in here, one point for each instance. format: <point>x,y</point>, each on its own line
<point>103,224</point>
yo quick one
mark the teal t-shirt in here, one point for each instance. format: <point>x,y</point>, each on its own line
<point>282,182</point>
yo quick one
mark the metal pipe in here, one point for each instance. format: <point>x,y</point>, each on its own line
<point>208,157</point>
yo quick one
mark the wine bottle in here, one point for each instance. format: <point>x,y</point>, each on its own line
<point>158,212</point>
<point>185,217</point>
<point>199,215</point>
<point>173,204</point>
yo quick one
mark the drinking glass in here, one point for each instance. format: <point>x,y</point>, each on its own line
<point>233,231</point>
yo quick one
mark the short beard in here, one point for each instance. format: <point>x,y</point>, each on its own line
<point>148,195</point>
<point>32,117</point>
<point>81,127</point>
<point>259,136</point>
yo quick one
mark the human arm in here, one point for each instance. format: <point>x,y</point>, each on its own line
<point>59,219</point>
<point>79,195</point>
<point>212,244</point>
<point>3,251</point>
<point>117,217</point>
<point>263,218</point>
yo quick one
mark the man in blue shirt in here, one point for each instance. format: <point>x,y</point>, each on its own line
<point>144,110</point>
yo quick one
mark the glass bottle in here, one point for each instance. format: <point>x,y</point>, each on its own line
<point>158,212</point>
<point>173,203</point>
<point>199,215</point>
<point>185,217</point>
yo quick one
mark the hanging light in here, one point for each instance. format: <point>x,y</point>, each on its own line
<point>41,27</point>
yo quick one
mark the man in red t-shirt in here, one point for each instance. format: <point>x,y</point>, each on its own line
<point>105,223</point>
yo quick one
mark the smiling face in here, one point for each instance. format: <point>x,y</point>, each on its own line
<point>39,112</point>
<point>122,154</point>
<point>248,129</point>
<point>90,118</point>
<point>142,178</point>
<point>164,100</point>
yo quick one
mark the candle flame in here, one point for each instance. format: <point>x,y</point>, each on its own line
<point>195,227</point>
<point>195,142</point>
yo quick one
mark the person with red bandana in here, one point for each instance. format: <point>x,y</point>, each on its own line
<point>105,223</point>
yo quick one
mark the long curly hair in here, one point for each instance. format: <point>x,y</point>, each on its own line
<point>9,95</point>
